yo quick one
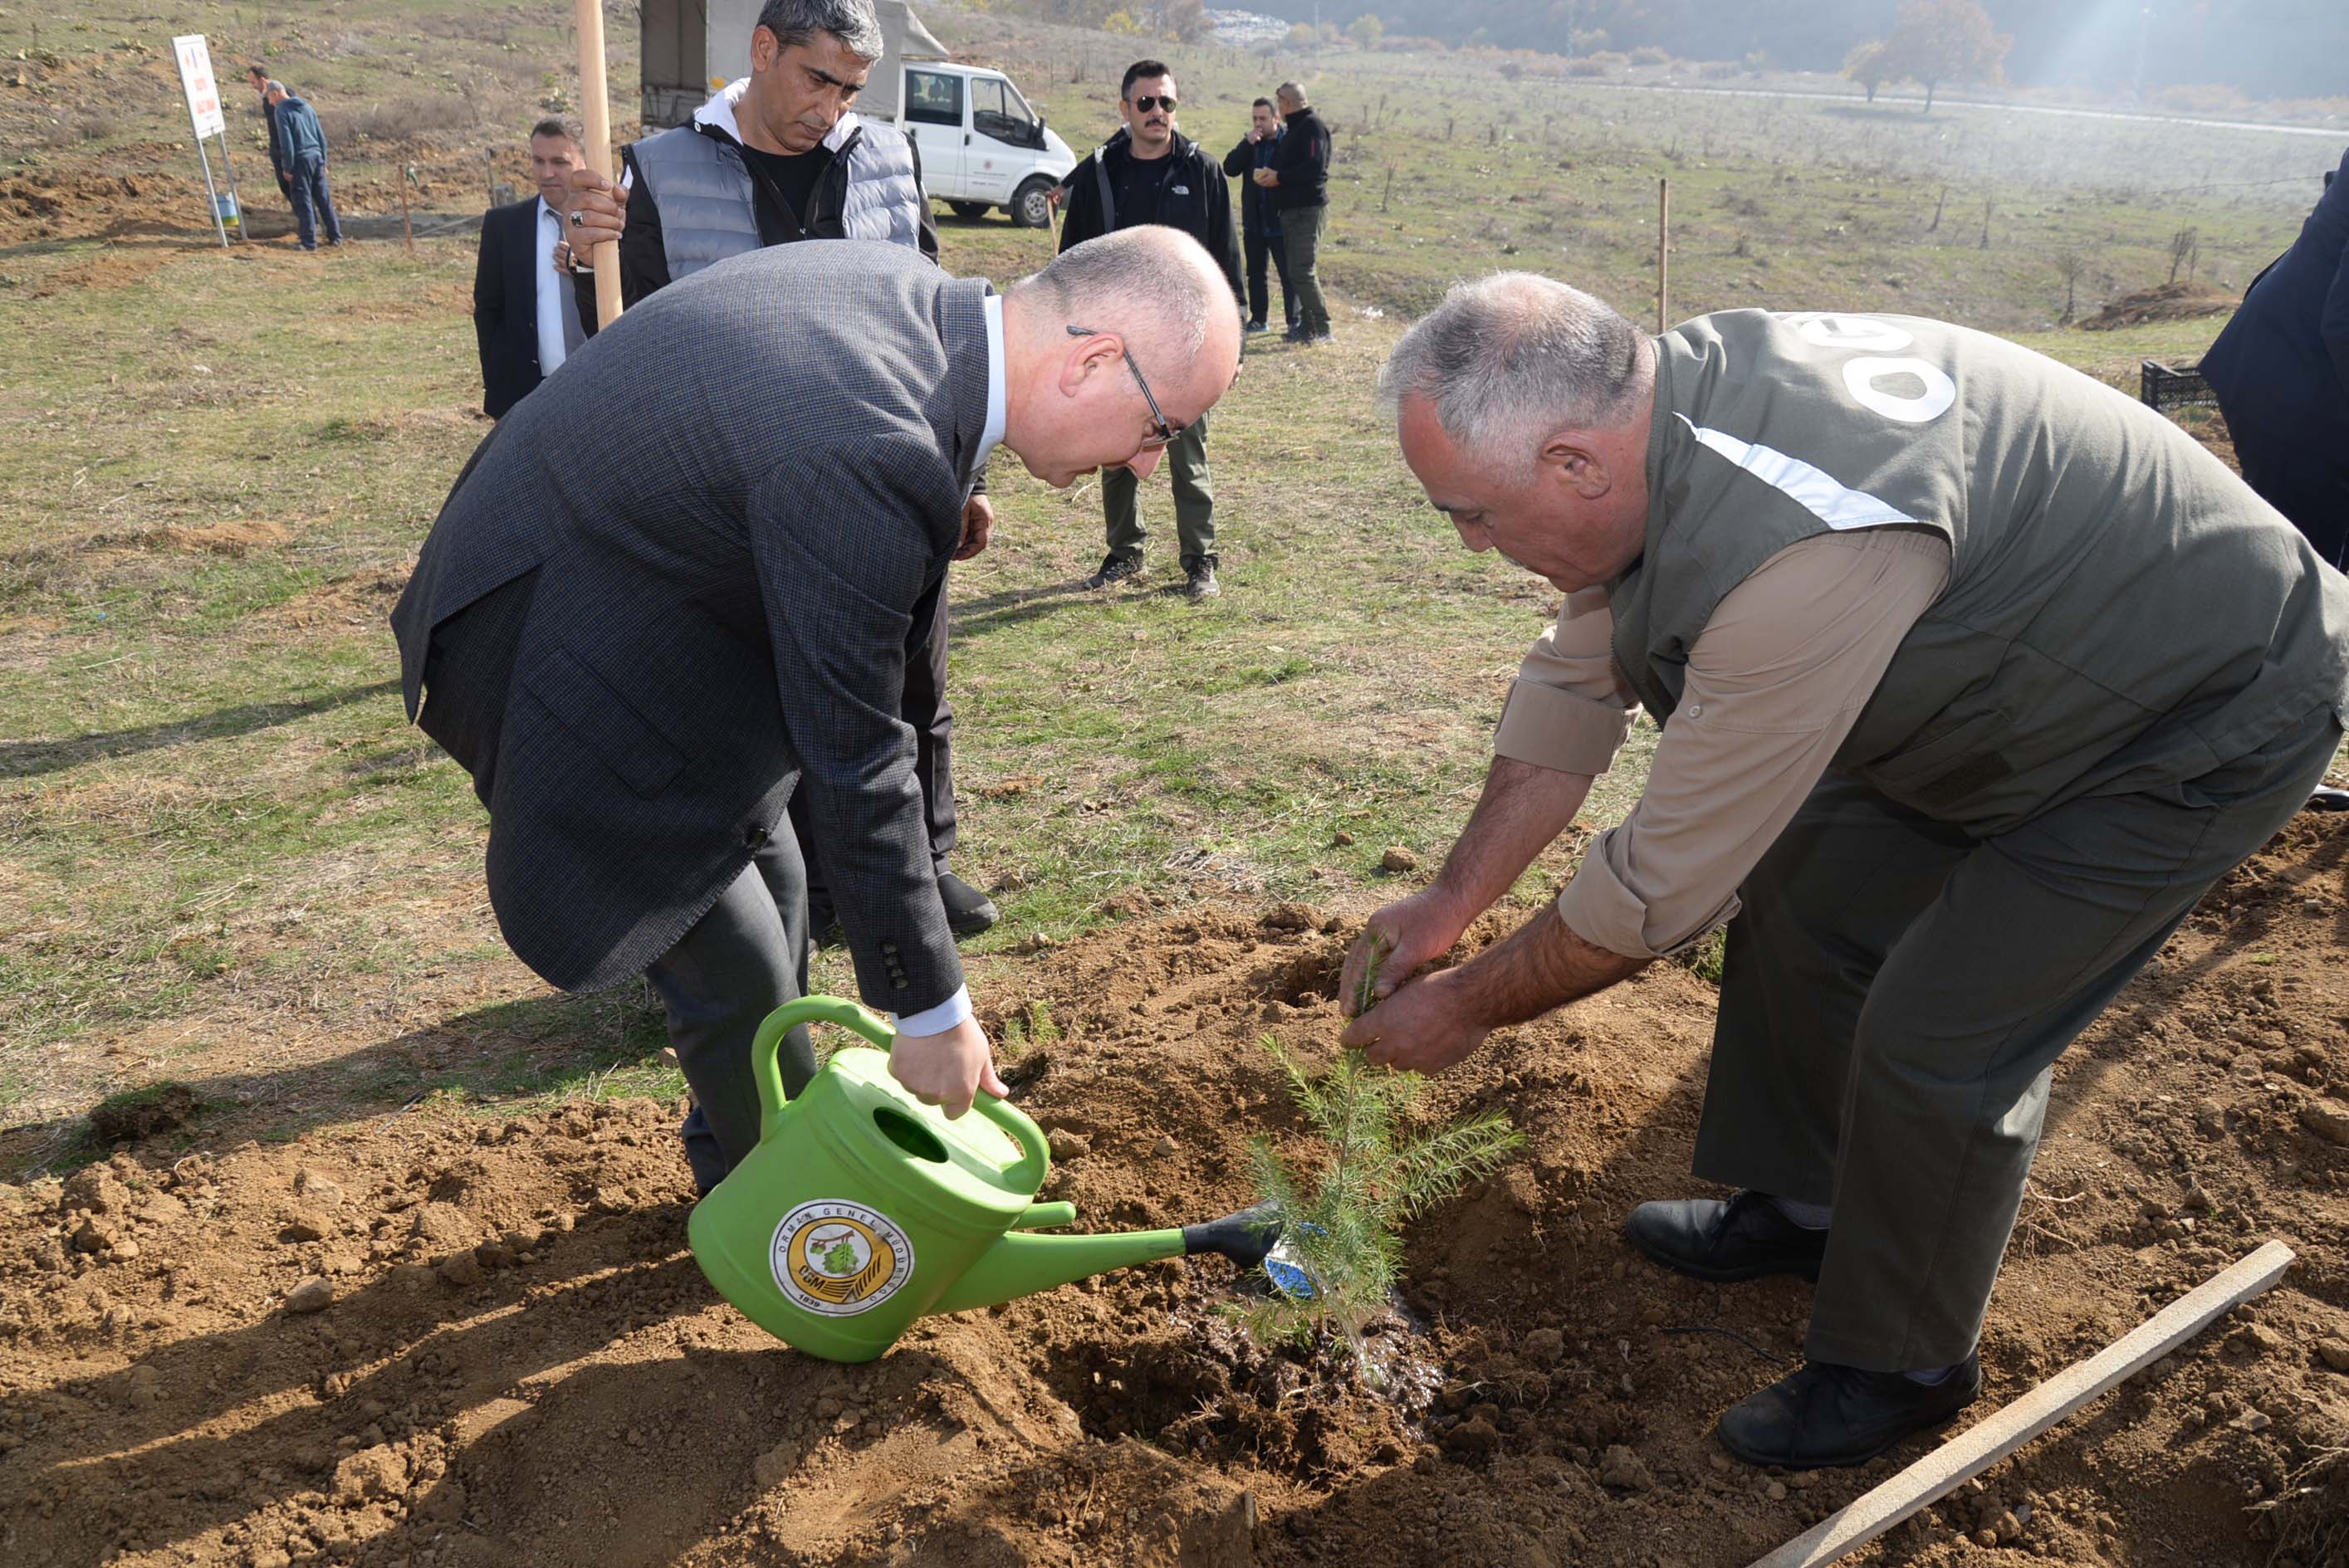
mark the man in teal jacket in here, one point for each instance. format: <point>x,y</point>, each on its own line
<point>1865,569</point>
<point>301,150</point>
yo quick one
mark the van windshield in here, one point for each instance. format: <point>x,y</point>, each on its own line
<point>997,109</point>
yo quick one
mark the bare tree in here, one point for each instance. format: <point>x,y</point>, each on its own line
<point>2184,251</point>
<point>2071,266</point>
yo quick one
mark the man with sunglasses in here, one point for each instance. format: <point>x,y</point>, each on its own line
<point>1149,172</point>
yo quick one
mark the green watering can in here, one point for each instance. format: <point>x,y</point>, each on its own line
<point>862,1207</point>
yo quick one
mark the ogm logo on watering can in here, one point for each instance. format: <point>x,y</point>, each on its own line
<point>839,1258</point>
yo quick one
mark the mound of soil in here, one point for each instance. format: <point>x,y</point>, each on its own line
<point>2167,302</point>
<point>433,1342</point>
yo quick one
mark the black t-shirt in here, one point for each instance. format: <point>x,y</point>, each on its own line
<point>794,176</point>
<point>1139,188</point>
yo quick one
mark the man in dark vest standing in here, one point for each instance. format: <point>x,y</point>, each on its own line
<point>1866,567</point>
<point>1149,172</point>
<point>774,159</point>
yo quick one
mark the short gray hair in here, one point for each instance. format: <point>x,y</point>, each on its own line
<point>1293,91</point>
<point>849,21</point>
<point>1512,358</point>
<point>1144,283</point>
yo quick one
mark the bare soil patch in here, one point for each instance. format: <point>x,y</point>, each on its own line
<point>2165,301</point>
<point>442,1341</point>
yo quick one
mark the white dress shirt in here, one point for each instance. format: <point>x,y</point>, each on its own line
<point>554,295</point>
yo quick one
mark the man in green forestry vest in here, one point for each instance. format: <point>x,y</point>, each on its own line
<point>1974,675</point>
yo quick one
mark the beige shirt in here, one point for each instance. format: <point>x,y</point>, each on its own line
<point>1775,683</point>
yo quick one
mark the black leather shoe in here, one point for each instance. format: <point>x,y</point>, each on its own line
<point>823,920</point>
<point>1827,1415</point>
<point>968,911</point>
<point>1745,1238</point>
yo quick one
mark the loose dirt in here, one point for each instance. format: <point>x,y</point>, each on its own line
<point>2164,302</point>
<point>439,1342</point>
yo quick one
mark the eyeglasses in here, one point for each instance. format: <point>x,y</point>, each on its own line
<point>1146,104</point>
<point>1162,434</point>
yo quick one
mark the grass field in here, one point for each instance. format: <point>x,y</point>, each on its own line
<point>226,859</point>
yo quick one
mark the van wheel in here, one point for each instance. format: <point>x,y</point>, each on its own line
<point>1029,209</point>
<point>968,211</point>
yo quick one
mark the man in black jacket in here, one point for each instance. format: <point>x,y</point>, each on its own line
<point>1259,219</point>
<point>2280,369</point>
<point>527,317</point>
<point>1298,181</point>
<point>773,158</point>
<point>1149,172</point>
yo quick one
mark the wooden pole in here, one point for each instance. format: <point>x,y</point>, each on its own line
<point>406,234</point>
<point>596,109</point>
<point>1950,1466</point>
<point>1663,254</point>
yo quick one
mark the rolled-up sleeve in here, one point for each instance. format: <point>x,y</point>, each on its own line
<point>1569,708</point>
<point>1775,681</point>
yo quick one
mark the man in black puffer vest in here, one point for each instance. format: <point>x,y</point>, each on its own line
<point>1149,172</point>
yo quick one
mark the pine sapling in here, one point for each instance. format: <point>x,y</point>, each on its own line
<point>1341,1225</point>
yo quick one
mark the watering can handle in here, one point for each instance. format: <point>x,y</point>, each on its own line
<point>1035,1157</point>
<point>782,1021</point>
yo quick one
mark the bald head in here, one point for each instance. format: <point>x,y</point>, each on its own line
<point>1155,286</point>
<point>1156,313</point>
<point>1508,359</point>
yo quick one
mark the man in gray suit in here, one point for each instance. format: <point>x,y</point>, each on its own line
<point>653,608</point>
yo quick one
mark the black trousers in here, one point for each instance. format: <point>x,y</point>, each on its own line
<point>923,706</point>
<point>1259,247</point>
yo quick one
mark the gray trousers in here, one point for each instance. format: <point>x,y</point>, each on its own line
<point>1195,501</point>
<point>1896,995</point>
<point>741,961</point>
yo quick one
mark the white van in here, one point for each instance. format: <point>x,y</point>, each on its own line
<point>981,145</point>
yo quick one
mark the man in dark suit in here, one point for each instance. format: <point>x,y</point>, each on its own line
<point>527,317</point>
<point>672,589</point>
<point>2280,369</point>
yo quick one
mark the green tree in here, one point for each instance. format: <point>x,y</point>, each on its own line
<point>1366,30</point>
<point>1341,1225</point>
<point>1937,41</point>
<point>1869,65</point>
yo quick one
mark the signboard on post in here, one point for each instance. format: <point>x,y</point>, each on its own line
<point>196,77</point>
<point>195,57</point>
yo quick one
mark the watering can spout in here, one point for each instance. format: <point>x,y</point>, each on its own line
<point>1023,1262</point>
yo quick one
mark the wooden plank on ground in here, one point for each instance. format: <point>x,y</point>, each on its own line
<point>1949,1466</point>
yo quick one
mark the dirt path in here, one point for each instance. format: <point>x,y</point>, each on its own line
<point>519,1363</point>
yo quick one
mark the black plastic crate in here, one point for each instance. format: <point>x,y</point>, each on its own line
<point>2173,386</point>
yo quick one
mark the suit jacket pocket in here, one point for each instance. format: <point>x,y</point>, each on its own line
<point>605,724</point>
